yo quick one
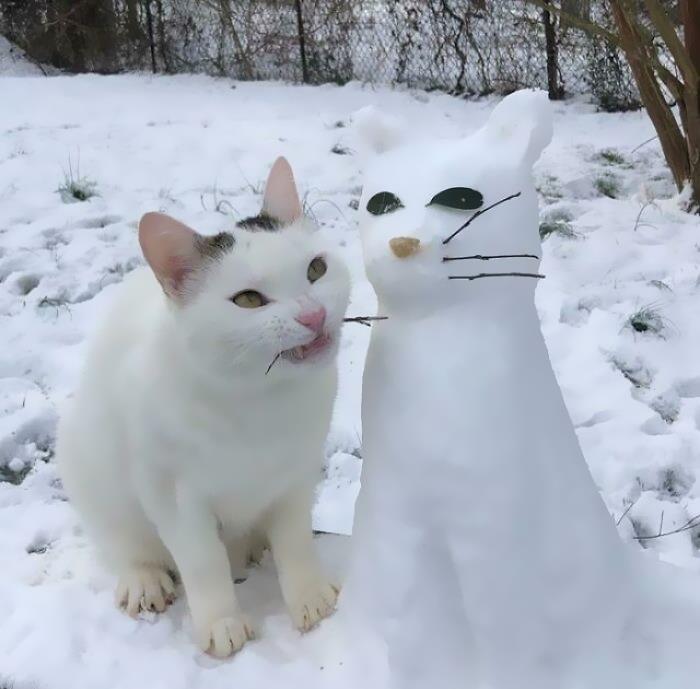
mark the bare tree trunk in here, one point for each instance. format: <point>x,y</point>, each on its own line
<point>162,38</point>
<point>690,14</point>
<point>225,9</point>
<point>556,92</point>
<point>89,31</point>
<point>151,38</point>
<point>302,42</point>
<point>667,128</point>
<point>133,28</point>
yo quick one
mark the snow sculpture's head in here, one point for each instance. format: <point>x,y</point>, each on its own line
<point>436,215</point>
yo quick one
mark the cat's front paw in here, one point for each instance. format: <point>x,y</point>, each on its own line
<point>225,636</point>
<point>144,588</point>
<point>313,604</point>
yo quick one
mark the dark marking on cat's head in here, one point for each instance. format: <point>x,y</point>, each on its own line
<point>262,222</point>
<point>214,246</point>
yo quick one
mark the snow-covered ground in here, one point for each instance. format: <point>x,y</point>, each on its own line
<point>618,309</point>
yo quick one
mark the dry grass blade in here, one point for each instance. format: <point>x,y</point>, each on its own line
<point>692,523</point>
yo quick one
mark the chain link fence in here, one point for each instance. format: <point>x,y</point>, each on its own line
<point>470,47</point>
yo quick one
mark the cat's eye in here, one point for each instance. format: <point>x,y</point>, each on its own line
<point>249,299</point>
<point>458,198</point>
<point>384,202</point>
<point>317,269</point>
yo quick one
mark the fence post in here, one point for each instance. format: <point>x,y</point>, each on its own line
<point>302,42</point>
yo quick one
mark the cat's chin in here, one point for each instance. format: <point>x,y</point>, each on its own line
<point>314,351</point>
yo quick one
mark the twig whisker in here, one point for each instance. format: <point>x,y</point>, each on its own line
<point>477,214</point>
<point>495,275</point>
<point>482,257</point>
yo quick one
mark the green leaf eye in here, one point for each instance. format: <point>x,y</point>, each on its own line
<point>384,202</point>
<point>459,198</point>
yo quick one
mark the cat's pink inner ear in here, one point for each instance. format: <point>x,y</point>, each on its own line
<point>281,199</point>
<point>170,247</point>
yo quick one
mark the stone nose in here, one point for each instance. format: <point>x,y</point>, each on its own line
<point>313,319</point>
<point>403,247</point>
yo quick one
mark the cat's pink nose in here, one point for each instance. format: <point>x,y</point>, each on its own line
<point>314,320</point>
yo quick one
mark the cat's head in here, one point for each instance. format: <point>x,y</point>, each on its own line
<point>417,194</point>
<point>268,290</point>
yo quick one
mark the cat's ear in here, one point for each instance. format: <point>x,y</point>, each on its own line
<point>377,131</point>
<point>281,198</point>
<point>522,122</point>
<point>171,249</point>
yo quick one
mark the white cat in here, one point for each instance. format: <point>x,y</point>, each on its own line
<point>183,449</point>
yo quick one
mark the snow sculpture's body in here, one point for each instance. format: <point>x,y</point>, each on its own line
<point>479,528</point>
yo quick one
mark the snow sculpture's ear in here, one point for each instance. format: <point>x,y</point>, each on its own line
<point>522,122</point>
<point>377,130</point>
<point>171,250</point>
<point>281,198</point>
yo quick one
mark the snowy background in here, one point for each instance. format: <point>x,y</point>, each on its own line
<point>83,157</point>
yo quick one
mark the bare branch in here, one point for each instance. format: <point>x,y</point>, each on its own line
<point>481,257</point>
<point>578,22</point>
<point>672,40</point>
<point>495,275</point>
<point>692,523</point>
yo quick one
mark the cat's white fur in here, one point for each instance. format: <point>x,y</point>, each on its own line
<point>179,451</point>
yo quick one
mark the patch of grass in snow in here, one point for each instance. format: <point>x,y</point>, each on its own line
<point>667,407</point>
<point>219,205</point>
<point>8,475</point>
<point>125,267</point>
<point>341,150</point>
<point>38,545</point>
<point>611,156</point>
<point>548,186</point>
<point>649,320</point>
<point>635,372</point>
<point>75,187</point>
<point>57,303</point>
<point>675,483</point>
<point>559,227</point>
<point>641,531</point>
<point>607,185</point>
<point>660,284</point>
<point>7,683</point>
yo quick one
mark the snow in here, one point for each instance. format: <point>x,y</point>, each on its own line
<point>13,61</point>
<point>187,144</point>
<point>468,464</point>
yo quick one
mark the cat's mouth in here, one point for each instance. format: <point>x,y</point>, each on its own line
<point>308,351</point>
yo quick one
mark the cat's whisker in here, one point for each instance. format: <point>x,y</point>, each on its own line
<point>481,257</point>
<point>273,362</point>
<point>477,214</point>
<point>495,275</point>
<point>364,320</point>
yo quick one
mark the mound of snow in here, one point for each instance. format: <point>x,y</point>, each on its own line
<point>14,62</point>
